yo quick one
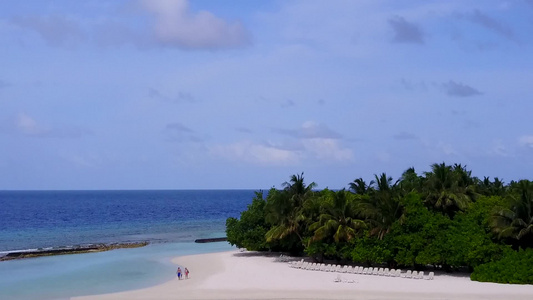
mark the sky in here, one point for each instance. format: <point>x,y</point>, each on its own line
<point>207,94</point>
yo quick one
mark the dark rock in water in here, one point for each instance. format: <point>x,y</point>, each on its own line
<point>212,240</point>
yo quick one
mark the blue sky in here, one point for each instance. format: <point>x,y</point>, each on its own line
<point>207,94</point>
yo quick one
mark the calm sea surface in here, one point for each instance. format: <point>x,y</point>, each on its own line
<point>170,220</point>
<point>39,219</point>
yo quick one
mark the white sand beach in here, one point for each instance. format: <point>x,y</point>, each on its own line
<point>251,275</point>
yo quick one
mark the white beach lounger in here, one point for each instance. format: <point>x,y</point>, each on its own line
<point>365,271</point>
<point>430,276</point>
<point>398,273</point>
<point>421,275</point>
<point>375,272</point>
<point>380,272</point>
<point>370,271</point>
<point>415,275</point>
<point>408,274</point>
<point>387,272</point>
<point>322,267</point>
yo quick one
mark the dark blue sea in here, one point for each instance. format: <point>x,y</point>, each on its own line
<point>170,220</point>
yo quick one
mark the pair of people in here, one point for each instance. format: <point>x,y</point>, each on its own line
<point>180,274</point>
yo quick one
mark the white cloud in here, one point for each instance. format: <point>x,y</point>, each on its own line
<point>446,148</point>
<point>27,125</point>
<point>498,148</point>
<point>176,25</point>
<point>526,141</point>
<point>82,161</point>
<point>249,152</point>
<point>327,149</point>
<point>383,156</point>
<point>310,130</point>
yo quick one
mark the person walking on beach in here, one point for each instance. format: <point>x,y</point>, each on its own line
<point>186,273</point>
<point>179,273</point>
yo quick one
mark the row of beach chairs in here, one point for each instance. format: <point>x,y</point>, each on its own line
<point>360,270</point>
<point>283,258</point>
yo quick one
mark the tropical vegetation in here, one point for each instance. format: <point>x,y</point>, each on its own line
<point>442,219</point>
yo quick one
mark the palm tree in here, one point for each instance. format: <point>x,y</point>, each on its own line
<point>297,189</point>
<point>463,176</point>
<point>338,219</point>
<point>491,188</point>
<point>382,208</point>
<point>382,183</point>
<point>516,221</point>
<point>359,186</point>
<point>410,181</point>
<point>498,187</point>
<point>448,189</point>
<point>284,209</point>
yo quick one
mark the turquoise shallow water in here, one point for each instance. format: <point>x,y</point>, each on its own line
<point>65,276</point>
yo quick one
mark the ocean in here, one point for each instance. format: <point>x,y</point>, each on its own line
<point>169,219</point>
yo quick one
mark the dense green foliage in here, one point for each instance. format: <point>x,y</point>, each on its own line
<point>514,267</point>
<point>444,219</point>
<point>249,232</point>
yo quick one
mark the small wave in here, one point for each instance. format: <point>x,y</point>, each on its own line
<point>12,251</point>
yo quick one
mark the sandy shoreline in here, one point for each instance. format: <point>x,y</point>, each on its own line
<point>250,275</point>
